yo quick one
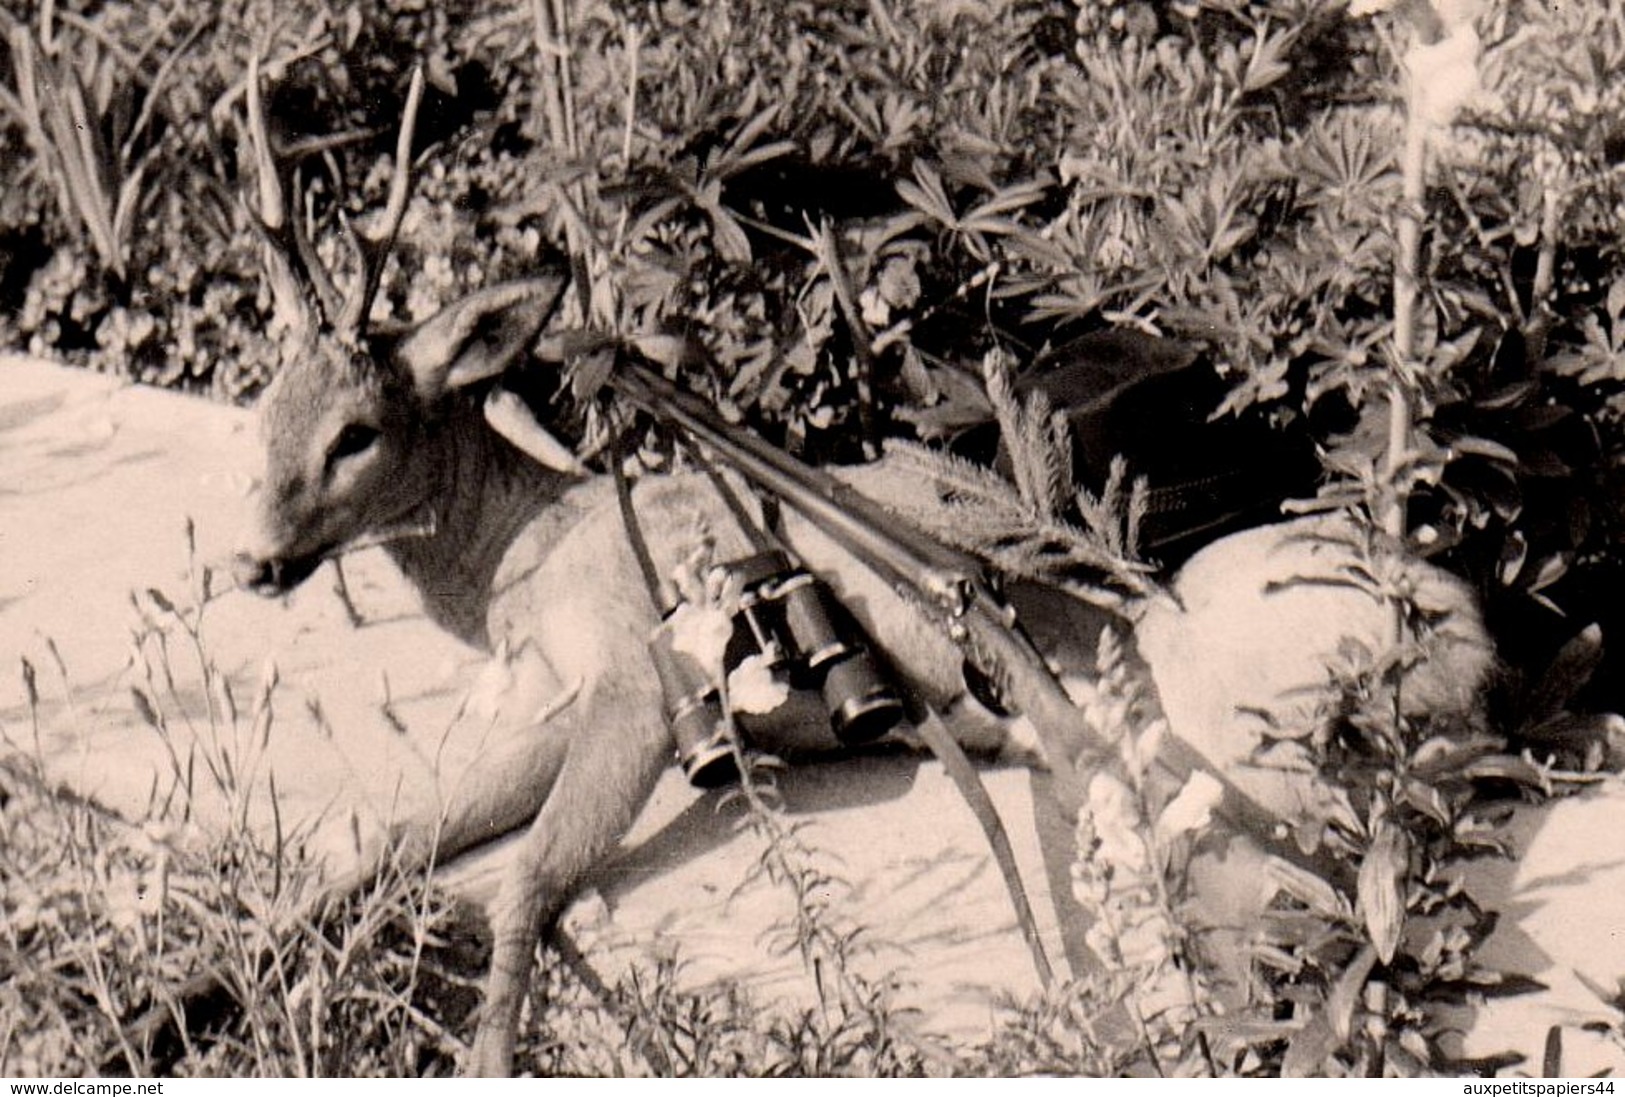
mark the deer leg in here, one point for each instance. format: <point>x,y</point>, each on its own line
<point>609,771</point>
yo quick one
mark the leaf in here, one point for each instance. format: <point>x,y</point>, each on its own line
<point>1451,351</point>
<point>511,417</point>
<point>952,399</point>
<point>143,707</point>
<point>1514,552</point>
<point>1008,200</point>
<point>731,241</point>
<point>1425,798</point>
<point>1508,397</point>
<point>1569,672</point>
<point>670,351</point>
<point>1551,569</point>
<point>1483,447</point>
<point>129,198</point>
<point>1266,64</point>
<point>1381,887</point>
<point>1616,299</point>
<point>650,219</point>
<point>751,130</point>
<point>774,150</point>
<point>1447,754</point>
<point>927,195</point>
<point>590,372</point>
<point>30,682</point>
<point>1307,888</point>
<point>1613,998</point>
<point>1551,1060</point>
<point>1245,1029</point>
<point>1345,994</point>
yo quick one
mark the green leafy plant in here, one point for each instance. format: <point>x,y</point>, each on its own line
<point>95,114</point>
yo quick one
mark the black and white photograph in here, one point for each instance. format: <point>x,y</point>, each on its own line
<point>839,539</point>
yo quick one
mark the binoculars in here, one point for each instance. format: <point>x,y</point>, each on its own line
<point>793,620</point>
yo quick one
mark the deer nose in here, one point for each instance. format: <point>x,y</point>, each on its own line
<point>271,576</point>
<point>255,574</point>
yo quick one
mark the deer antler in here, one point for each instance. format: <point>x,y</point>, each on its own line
<point>275,221</point>
<point>303,287</point>
<point>372,251</point>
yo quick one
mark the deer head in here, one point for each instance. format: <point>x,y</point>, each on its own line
<point>363,430</point>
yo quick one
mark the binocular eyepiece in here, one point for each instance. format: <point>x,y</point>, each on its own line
<point>794,620</point>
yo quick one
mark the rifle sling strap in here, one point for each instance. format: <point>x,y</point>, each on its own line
<point>664,603</point>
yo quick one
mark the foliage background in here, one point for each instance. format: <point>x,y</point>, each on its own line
<point>991,174</point>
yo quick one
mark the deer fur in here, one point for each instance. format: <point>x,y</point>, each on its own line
<point>375,441</point>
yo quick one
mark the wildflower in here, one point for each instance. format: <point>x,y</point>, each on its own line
<point>702,632</point>
<point>1115,812</point>
<point>754,688</point>
<point>1191,809</point>
<point>1442,66</point>
<point>1443,76</point>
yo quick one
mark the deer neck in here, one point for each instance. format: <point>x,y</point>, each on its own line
<point>484,494</point>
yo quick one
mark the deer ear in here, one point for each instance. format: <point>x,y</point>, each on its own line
<point>479,336</point>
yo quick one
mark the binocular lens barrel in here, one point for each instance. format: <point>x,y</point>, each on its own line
<point>692,714</point>
<point>703,749</point>
<point>862,705</point>
<point>809,617</point>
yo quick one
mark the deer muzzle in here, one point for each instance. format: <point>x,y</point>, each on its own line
<point>271,577</point>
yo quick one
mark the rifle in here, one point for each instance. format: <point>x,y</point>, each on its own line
<point>948,583</point>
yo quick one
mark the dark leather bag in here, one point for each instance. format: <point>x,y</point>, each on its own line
<point>1150,400</point>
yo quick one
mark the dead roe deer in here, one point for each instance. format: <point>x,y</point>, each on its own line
<point>372,440</point>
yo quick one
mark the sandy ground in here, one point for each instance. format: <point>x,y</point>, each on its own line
<point>97,484</point>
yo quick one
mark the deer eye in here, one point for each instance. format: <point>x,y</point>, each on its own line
<point>353,439</point>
